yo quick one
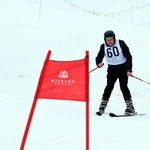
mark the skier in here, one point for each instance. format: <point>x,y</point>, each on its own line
<point>119,62</point>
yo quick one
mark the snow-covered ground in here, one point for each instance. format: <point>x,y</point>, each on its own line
<point>68,29</point>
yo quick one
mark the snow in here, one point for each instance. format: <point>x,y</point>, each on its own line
<point>26,34</point>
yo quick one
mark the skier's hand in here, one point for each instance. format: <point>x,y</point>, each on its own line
<point>100,65</point>
<point>129,73</point>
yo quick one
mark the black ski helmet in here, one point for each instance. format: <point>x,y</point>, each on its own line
<point>109,33</point>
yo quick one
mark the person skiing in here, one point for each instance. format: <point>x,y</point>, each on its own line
<point>119,60</point>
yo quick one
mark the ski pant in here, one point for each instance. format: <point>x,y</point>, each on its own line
<point>112,77</point>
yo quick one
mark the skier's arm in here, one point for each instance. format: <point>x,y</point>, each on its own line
<point>100,56</point>
<point>127,55</point>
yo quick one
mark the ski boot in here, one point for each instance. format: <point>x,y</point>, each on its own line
<point>130,109</point>
<point>102,106</point>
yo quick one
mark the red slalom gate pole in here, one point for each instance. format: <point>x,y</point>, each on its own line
<point>140,79</point>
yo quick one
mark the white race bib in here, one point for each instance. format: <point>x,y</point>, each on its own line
<point>114,54</point>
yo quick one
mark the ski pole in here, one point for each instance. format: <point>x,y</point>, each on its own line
<point>95,69</point>
<point>140,79</point>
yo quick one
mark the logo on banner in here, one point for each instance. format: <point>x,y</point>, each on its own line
<point>63,74</point>
<point>63,79</point>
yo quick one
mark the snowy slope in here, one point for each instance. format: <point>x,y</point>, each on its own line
<point>68,31</point>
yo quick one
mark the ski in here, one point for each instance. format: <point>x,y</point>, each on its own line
<point>124,115</point>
